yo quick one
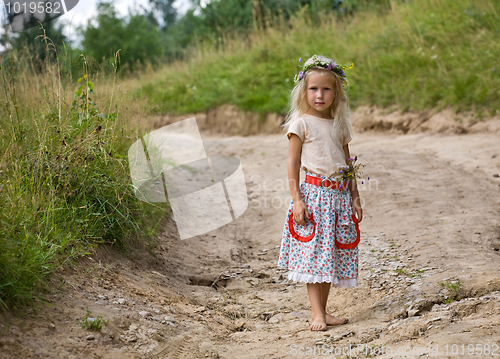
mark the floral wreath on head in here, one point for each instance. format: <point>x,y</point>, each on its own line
<point>321,61</point>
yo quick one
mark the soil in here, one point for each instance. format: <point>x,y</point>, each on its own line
<point>429,271</point>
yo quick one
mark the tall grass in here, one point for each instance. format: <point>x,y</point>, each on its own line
<point>414,55</point>
<point>64,177</point>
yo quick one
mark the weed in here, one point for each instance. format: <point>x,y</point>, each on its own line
<point>448,300</point>
<point>401,271</point>
<point>406,273</point>
<point>452,286</point>
<point>91,323</point>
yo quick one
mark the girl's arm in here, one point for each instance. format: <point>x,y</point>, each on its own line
<point>356,201</point>
<point>300,212</point>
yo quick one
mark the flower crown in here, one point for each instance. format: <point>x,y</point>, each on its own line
<point>321,61</point>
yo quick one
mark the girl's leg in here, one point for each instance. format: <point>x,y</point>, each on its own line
<point>329,319</point>
<point>325,290</point>
<point>317,310</point>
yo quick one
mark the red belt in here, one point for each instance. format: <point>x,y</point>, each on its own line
<point>324,182</point>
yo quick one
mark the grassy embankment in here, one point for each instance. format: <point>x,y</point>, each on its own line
<point>64,177</point>
<point>417,55</point>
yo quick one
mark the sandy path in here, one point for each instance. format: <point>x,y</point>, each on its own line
<point>432,206</point>
<point>431,221</point>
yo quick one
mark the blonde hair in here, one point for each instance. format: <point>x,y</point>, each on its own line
<point>339,110</point>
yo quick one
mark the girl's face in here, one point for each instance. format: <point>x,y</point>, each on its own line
<point>320,94</point>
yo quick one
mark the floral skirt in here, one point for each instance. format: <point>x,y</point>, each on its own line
<point>325,250</point>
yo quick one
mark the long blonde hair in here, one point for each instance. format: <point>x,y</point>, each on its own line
<point>339,110</point>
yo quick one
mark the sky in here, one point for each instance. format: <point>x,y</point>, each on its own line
<point>86,10</point>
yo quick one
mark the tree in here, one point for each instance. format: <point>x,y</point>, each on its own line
<point>227,15</point>
<point>219,17</point>
<point>163,10</point>
<point>215,19</point>
<point>31,42</point>
<point>136,37</point>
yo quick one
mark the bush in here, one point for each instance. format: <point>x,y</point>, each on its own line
<point>64,182</point>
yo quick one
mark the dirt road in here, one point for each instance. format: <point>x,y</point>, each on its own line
<point>429,269</point>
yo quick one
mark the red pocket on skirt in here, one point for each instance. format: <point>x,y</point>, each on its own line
<point>347,232</point>
<point>303,237</point>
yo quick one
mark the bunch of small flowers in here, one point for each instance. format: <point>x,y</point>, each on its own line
<point>320,61</point>
<point>350,172</point>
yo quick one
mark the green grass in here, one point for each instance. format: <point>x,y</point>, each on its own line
<point>64,179</point>
<point>91,323</point>
<point>419,55</point>
<point>452,286</point>
<point>409,274</point>
<point>448,300</point>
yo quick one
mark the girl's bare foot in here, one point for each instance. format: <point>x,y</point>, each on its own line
<point>331,320</point>
<point>318,322</point>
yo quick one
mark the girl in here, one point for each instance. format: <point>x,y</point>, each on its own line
<point>319,244</point>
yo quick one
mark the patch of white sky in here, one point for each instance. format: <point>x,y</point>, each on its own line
<point>86,10</point>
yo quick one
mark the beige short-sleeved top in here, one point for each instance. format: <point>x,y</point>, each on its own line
<point>322,148</point>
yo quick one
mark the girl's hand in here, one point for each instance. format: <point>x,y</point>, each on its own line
<point>356,206</point>
<point>300,212</point>
<point>356,201</point>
